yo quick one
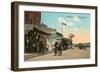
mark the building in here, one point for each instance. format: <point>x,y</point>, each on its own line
<point>31,17</point>
<point>38,37</point>
<point>35,32</point>
<point>53,37</point>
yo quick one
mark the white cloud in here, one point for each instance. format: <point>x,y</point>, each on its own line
<point>62,20</point>
<point>59,19</point>
<point>75,19</point>
<point>70,24</point>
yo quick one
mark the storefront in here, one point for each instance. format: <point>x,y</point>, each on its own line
<point>36,39</point>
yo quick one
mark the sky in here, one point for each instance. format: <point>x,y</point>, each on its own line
<point>76,23</point>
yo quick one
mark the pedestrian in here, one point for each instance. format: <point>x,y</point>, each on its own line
<point>55,49</point>
<point>59,48</point>
<point>30,43</point>
<point>41,47</point>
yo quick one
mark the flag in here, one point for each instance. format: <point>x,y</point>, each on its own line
<point>63,23</point>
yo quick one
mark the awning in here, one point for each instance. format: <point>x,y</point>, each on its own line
<point>38,27</point>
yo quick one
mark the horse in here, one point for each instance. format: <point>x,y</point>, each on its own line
<point>58,49</point>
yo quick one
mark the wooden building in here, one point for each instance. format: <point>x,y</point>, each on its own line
<point>36,33</point>
<point>31,17</point>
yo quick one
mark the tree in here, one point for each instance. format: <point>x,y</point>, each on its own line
<point>71,36</point>
<point>66,42</point>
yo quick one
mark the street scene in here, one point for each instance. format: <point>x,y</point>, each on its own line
<point>56,36</point>
<point>68,54</point>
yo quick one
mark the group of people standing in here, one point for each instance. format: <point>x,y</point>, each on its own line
<point>33,43</point>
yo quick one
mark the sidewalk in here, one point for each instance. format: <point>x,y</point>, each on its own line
<point>33,55</point>
<point>66,54</point>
